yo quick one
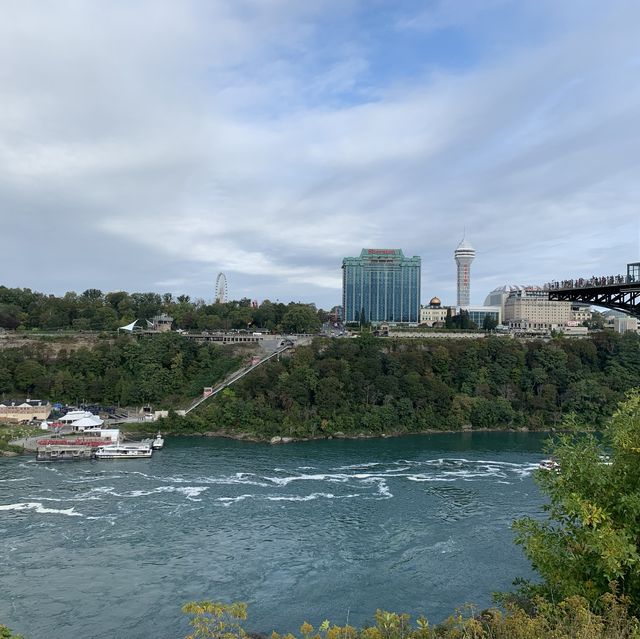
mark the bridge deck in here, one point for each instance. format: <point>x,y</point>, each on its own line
<point>616,292</point>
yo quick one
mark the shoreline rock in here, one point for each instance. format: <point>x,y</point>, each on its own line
<point>281,439</point>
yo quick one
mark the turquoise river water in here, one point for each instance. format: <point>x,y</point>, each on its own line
<point>313,530</point>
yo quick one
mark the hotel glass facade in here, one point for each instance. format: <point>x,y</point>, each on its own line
<point>477,314</point>
<point>382,284</point>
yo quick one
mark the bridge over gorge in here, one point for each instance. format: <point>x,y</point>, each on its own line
<point>617,292</point>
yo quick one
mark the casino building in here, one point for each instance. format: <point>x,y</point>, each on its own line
<point>382,285</point>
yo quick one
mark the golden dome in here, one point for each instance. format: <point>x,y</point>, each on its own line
<point>435,301</point>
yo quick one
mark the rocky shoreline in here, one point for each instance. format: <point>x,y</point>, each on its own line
<point>281,439</point>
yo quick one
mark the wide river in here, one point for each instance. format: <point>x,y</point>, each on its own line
<point>313,530</point>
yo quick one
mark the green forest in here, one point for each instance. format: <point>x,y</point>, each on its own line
<point>381,386</point>
<point>163,370</point>
<point>363,385</point>
<point>93,310</point>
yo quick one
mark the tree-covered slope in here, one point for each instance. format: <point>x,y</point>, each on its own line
<point>379,386</point>
<point>164,370</point>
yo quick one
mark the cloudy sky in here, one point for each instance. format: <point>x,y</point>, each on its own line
<point>146,145</point>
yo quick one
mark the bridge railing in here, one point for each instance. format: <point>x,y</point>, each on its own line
<point>591,282</point>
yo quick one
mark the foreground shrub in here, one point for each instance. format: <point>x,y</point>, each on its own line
<point>569,619</point>
<point>590,544</point>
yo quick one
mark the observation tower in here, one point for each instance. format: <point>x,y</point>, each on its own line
<point>464,255</point>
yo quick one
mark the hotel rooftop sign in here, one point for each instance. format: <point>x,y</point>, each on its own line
<point>382,251</point>
<point>377,257</point>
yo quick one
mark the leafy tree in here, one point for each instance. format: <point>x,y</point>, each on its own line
<point>489,323</point>
<point>92,294</point>
<point>5,633</point>
<point>11,316</point>
<point>300,318</point>
<point>590,544</point>
<point>29,375</point>
<point>597,321</point>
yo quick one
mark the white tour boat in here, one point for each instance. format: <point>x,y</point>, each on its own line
<point>158,442</point>
<point>124,451</point>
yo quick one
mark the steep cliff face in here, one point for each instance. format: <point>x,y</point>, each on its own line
<point>51,343</point>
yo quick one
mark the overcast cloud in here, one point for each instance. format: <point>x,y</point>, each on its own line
<point>150,144</point>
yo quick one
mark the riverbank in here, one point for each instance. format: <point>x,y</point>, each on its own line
<point>134,432</point>
<point>283,439</point>
<point>12,438</point>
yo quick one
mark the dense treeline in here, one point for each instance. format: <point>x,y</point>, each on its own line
<point>379,386</point>
<point>163,370</point>
<point>21,308</point>
<point>358,385</point>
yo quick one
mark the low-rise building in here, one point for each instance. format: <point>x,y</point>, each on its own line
<point>572,330</point>
<point>530,308</point>
<point>161,323</point>
<point>434,314</point>
<point>24,410</point>
<point>479,314</point>
<point>581,313</point>
<point>625,324</point>
<point>498,296</point>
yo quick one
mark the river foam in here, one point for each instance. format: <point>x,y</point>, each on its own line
<point>40,509</point>
<point>366,480</point>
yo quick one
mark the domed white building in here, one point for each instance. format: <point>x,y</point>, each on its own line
<point>434,314</point>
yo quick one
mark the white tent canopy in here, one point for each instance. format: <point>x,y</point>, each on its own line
<point>129,327</point>
<point>88,422</point>
<point>75,415</point>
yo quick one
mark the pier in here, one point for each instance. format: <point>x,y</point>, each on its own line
<point>61,452</point>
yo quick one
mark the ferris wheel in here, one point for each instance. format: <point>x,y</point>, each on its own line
<point>221,289</point>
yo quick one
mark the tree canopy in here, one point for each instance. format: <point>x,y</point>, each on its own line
<point>374,386</point>
<point>22,308</point>
<point>166,370</point>
<point>590,543</point>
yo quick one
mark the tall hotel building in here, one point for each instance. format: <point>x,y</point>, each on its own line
<point>383,285</point>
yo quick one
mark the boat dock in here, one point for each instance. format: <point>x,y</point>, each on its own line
<point>61,452</point>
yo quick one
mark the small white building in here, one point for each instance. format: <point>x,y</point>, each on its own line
<point>112,434</point>
<point>625,324</point>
